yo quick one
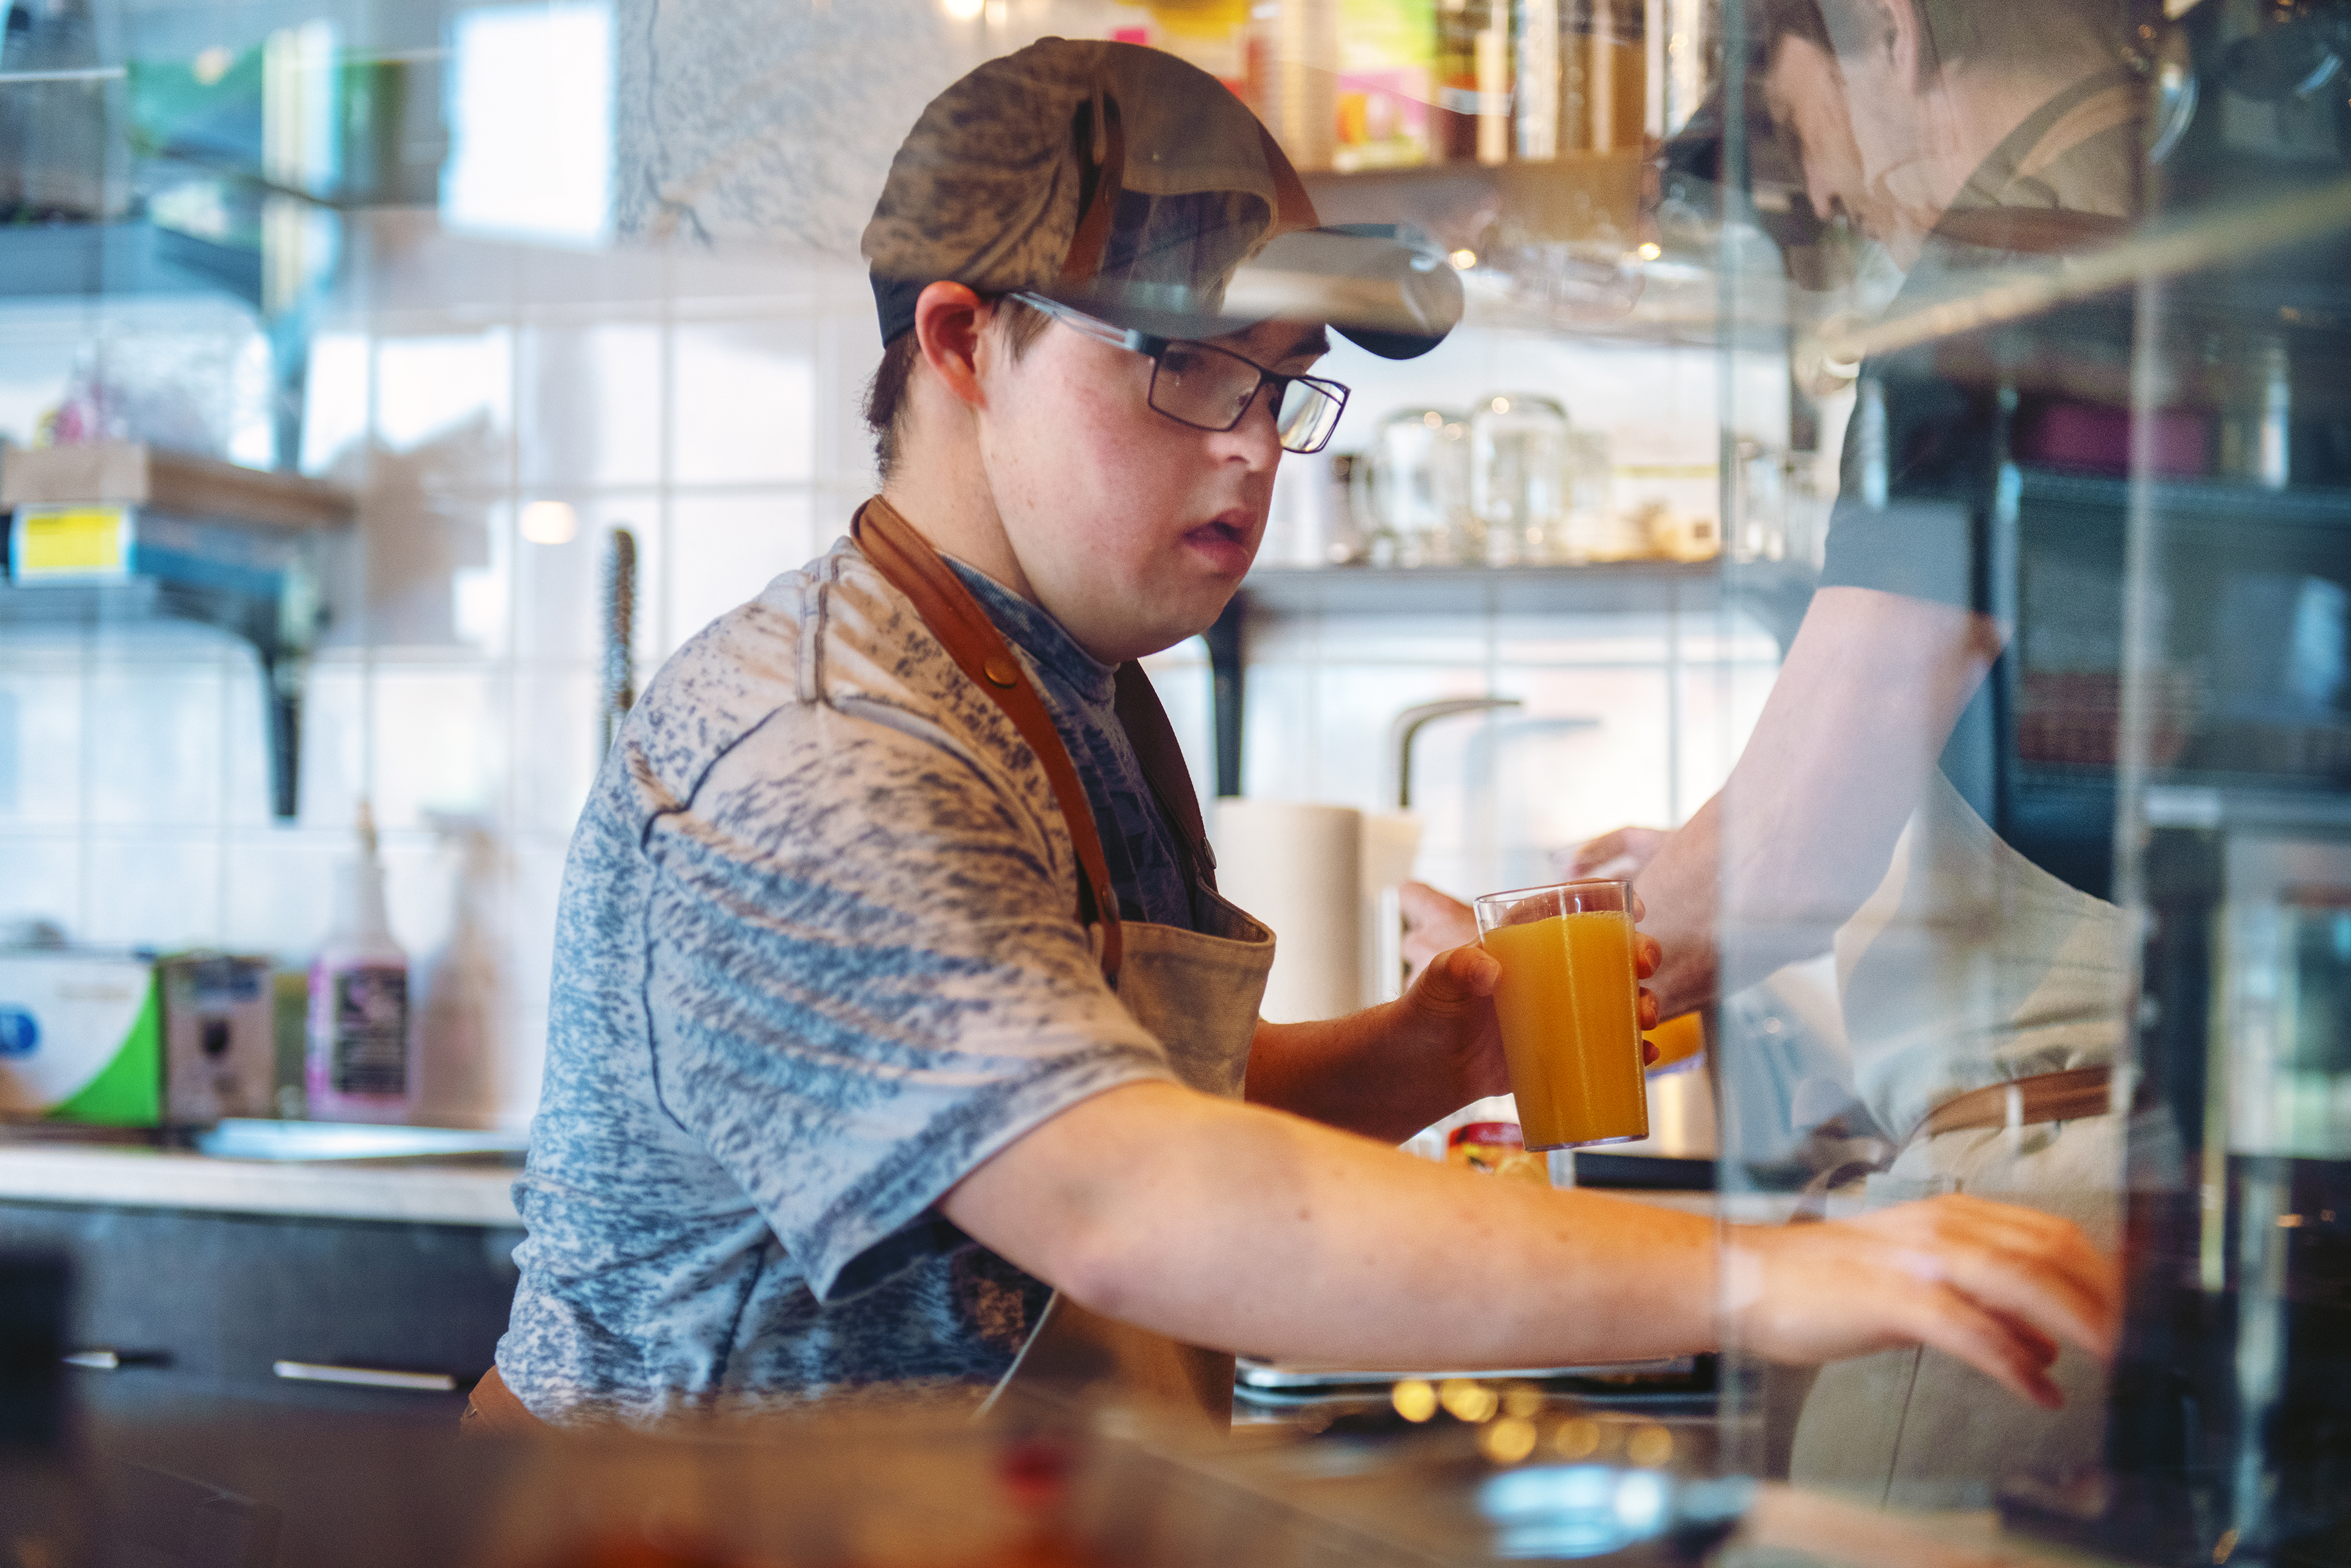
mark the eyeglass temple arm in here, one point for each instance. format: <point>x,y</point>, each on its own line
<point>1124,338</point>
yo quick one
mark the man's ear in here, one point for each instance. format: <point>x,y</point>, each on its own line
<point>1898,40</point>
<point>947,321</point>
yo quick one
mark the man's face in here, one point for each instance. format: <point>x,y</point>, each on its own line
<point>1805,95</point>
<point>1133,531</point>
<point>1864,132</point>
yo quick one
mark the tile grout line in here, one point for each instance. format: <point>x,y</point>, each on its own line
<point>84,895</point>
<point>229,661</point>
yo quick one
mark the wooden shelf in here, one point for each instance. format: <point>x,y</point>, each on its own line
<point>177,483</point>
<point>1775,593</point>
<point>1634,587</point>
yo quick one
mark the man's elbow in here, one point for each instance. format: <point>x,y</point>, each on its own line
<point>1103,1273</point>
<point>1074,1203</point>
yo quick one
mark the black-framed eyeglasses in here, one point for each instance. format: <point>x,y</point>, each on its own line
<point>1210,388</point>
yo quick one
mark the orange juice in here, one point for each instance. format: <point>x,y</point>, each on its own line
<point>1570,1009</point>
<point>1678,1040</point>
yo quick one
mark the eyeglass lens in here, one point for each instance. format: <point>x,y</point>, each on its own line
<point>1211,388</point>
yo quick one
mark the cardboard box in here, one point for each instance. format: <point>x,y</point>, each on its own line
<point>220,1037</point>
<point>119,1040</point>
<point>81,1037</point>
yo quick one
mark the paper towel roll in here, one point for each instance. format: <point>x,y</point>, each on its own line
<point>1391,842</point>
<point>1298,868</point>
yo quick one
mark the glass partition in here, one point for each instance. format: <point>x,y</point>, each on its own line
<point>2036,903</point>
<point>1899,446</point>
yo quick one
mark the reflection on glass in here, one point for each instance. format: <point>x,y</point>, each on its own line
<point>531,138</point>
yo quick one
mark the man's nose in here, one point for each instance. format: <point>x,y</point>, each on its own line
<point>1257,439</point>
<point>1820,189</point>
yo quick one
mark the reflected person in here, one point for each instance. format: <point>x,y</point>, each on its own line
<point>1962,139</point>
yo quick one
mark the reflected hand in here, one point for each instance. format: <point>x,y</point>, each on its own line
<point>1995,1285</point>
<point>1621,853</point>
<point>1433,922</point>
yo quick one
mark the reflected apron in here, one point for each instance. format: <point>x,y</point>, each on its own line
<point>1970,968</point>
<point>1196,991</point>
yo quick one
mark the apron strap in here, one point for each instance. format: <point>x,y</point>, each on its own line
<point>914,569</point>
<point>1163,768</point>
<point>1979,216</point>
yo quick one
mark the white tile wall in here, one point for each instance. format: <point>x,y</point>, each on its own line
<point>710,404</point>
<point>1625,719</point>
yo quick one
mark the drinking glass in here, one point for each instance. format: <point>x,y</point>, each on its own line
<point>1570,1004</point>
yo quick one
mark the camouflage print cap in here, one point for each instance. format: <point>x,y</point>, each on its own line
<point>1124,181</point>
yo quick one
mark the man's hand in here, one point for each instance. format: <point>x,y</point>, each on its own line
<point>1389,1070</point>
<point>1995,1285</point>
<point>1450,1009</point>
<point>1621,853</point>
<point>1433,924</point>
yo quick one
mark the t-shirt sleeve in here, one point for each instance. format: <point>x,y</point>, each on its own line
<point>1922,547</point>
<point>1914,527</point>
<point>864,979</point>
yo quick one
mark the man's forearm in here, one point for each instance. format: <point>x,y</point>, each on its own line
<point>1369,1072</point>
<point>1278,1238</point>
<point>1680,888</point>
<point>1238,1227</point>
<point>1807,823</point>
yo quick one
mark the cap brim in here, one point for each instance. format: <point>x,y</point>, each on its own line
<point>1392,297</point>
<point>1387,289</point>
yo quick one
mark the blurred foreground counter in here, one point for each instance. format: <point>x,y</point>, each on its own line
<point>266,1361</point>
<point>416,1189</point>
<point>1037,1487</point>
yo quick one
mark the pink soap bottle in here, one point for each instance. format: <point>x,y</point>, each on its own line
<point>361,1054</point>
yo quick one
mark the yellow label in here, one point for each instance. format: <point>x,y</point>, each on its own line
<point>79,541</point>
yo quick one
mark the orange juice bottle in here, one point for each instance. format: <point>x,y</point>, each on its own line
<point>1570,1009</point>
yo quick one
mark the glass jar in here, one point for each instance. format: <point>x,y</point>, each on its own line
<point>1518,477</point>
<point>1412,489</point>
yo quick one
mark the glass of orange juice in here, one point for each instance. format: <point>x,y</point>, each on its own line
<point>1570,1010</point>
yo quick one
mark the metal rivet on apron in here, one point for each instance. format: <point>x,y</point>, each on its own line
<point>1001,671</point>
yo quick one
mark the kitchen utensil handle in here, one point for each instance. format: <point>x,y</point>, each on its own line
<point>370,1376</point>
<point>104,1358</point>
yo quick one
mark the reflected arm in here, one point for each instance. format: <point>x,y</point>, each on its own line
<point>1803,830</point>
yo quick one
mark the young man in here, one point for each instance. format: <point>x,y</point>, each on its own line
<point>894,1013</point>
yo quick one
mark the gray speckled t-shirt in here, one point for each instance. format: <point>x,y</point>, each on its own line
<point>816,959</point>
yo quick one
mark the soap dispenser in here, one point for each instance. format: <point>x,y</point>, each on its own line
<point>360,1058</point>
